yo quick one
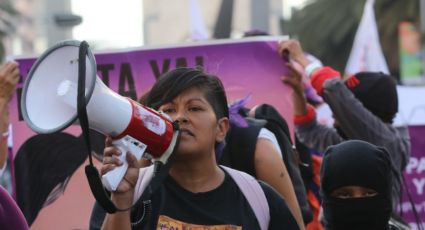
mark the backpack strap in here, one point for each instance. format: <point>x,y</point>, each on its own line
<point>254,194</point>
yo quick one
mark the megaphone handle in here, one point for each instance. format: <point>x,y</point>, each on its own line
<point>126,144</point>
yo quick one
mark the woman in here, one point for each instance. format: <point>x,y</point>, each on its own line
<point>357,178</point>
<point>197,192</point>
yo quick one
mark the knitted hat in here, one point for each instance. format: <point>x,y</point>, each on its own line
<point>377,92</point>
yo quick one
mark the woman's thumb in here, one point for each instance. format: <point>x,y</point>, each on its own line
<point>131,160</point>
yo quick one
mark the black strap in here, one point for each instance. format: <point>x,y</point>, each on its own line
<point>143,206</point>
<point>92,174</point>
<point>81,100</point>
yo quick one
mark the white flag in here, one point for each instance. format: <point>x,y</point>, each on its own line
<point>198,31</point>
<point>366,53</point>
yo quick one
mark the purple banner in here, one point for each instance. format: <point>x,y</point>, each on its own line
<point>415,178</point>
<point>246,66</point>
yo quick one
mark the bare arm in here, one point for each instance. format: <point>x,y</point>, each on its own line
<point>9,77</point>
<point>308,132</point>
<point>294,79</point>
<point>270,168</point>
<point>119,220</point>
<point>4,123</point>
<point>307,128</point>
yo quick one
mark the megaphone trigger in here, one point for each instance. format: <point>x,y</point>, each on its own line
<point>126,144</point>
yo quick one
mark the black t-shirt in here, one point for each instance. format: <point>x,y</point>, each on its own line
<point>223,208</point>
<point>173,206</point>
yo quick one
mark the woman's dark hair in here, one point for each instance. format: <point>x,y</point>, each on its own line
<point>174,82</point>
<point>43,166</point>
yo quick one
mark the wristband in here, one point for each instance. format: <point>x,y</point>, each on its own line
<point>4,136</point>
<point>309,116</point>
<point>311,67</point>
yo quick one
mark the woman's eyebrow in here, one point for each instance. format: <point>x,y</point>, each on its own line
<point>188,101</point>
<point>168,103</point>
<point>197,99</point>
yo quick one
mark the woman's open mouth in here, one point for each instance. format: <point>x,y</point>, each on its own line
<point>186,132</point>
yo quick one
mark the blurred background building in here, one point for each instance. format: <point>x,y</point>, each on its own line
<point>109,24</point>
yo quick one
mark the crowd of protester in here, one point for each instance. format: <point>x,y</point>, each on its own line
<point>359,179</point>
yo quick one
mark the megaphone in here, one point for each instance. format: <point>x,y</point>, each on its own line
<point>49,104</point>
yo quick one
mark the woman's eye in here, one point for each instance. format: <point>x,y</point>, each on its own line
<point>370,193</point>
<point>343,195</point>
<point>195,109</point>
<point>168,110</point>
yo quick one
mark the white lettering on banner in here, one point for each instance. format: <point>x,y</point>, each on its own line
<point>416,165</point>
<point>407,207</point>
<point>419,185</point>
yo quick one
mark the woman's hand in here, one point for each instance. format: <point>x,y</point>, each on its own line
<point>294,79</point>
<point>294,50</point>
<point>111,161</point>
<point>9,78</point>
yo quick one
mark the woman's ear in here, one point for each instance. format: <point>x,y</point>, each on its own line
<point>222,128</point>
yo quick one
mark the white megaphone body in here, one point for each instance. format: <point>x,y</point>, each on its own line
<point>49,104</point>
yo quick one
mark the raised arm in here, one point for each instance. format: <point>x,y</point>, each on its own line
<point>307,128</point>
<point>9,77</point>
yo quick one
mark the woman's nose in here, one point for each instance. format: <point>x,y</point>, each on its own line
<point>180,117</point>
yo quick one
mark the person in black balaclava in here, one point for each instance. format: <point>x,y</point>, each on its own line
<point>356,187</point>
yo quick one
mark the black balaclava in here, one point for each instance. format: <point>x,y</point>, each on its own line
<point>356,163</point>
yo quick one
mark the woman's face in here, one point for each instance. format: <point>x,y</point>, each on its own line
<point>348,192</point>
<point>199,127</point>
